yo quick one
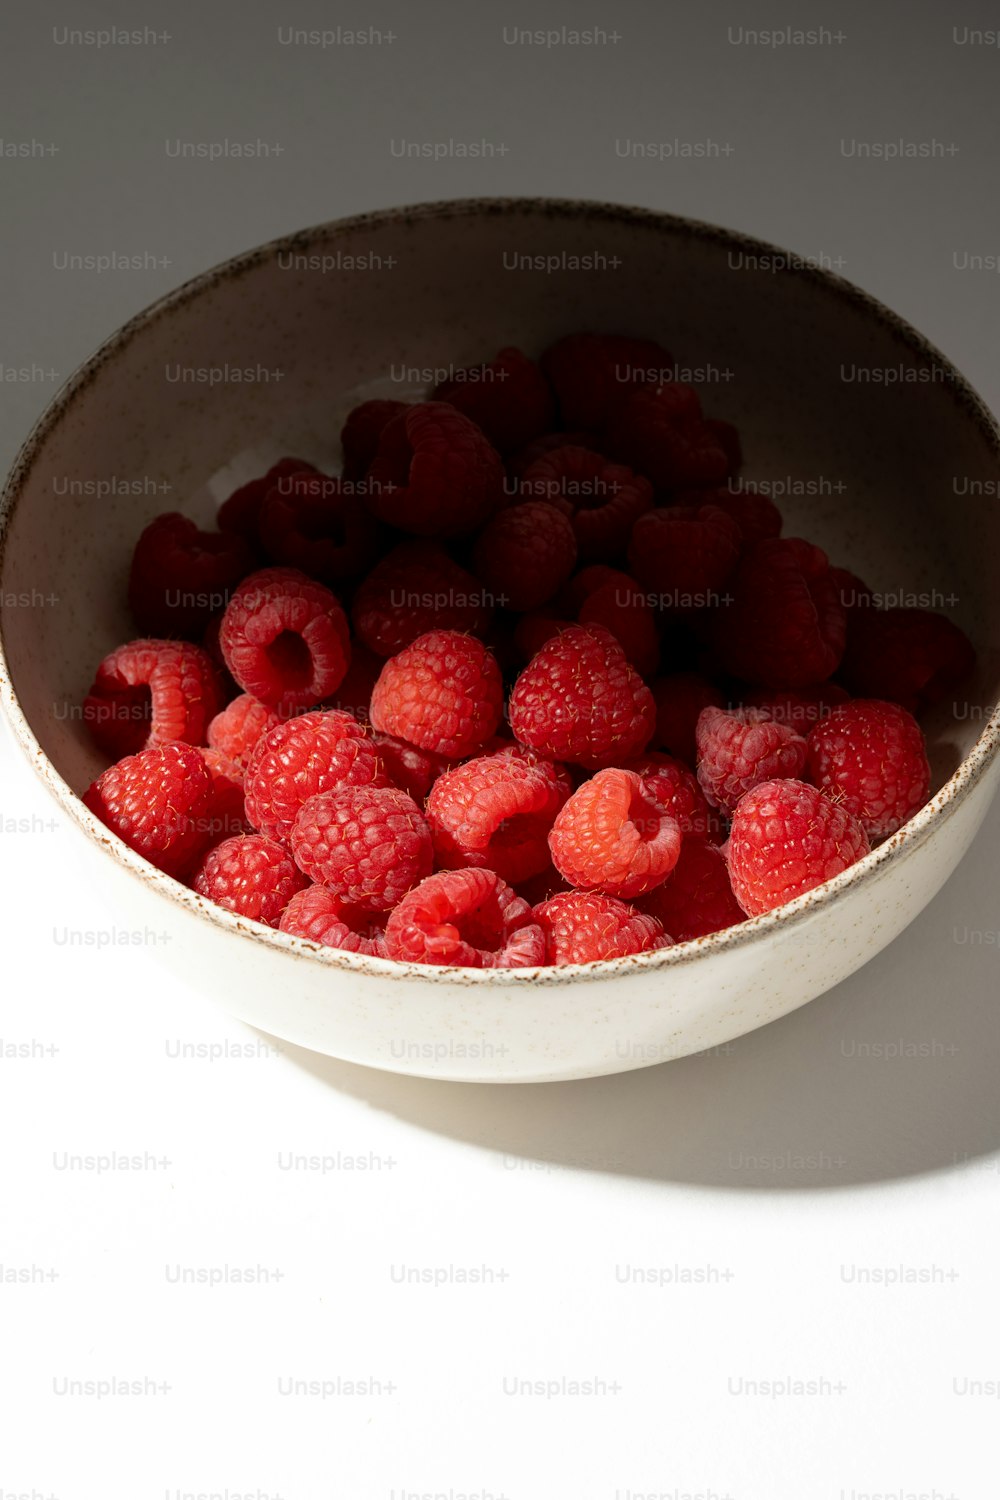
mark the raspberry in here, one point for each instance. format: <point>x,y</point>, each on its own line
<point>613,836</point>
<point>674,788</point>
<point>662,434</point>
<point>756,516</point>
<point>579,700</point>
<point>521,462</point>
<point>602,499</point>
<point>786,839</point>
<point>285,639</point>
<point>495,812</point>
<point>417,587</point>
<point>227,814</point>
<point>442,693</point>
<point>913,657</point>
<point>696,898</point>
<point>313,753</point>
<point>467,918</point>
<point>587,581</point>
<point>591,373</point>
<point>314,523</point>
<point>434,473</point>
<point>622,607</point>
<point>237,728</point>
<point>525,554</point>
<point>679,700</point>
<point>158,802</point>
<point>367,844</point>
<point>318,915</point>
<point>685,553</point>
<point>241,512</point>
<point>413,771</point>
<point>869,757</point>
<point>799,707</point>
<point>509,399</point>
<point>359,437</point>
<point>728,439</point>
<point>148,692</point>
<point>741,747</point>
<point>250,875</point>
<point>785,627</point>
<point>180,574</point>
<point>558,775</point>
<point>534,630</point>
<point>583,927</point>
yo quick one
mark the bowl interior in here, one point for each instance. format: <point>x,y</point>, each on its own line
<point>869,445</point>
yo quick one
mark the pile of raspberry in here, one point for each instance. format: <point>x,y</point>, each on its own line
<point>535,679</point>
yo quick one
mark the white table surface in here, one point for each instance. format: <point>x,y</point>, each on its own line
<point>814,1209</point>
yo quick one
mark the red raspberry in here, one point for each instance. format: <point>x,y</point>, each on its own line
<point>359,437</point>
<point>685,554</point>
<point>158,803</point>
<point>786,839</point>
<point>592,372</point>
<point>579,700</point>
<point>313,753</point>
<point>237,728</point>
<point>521,462</point>
<point>227,815</point>
<point>434,473</point>
<point>662,434</point>
<point>603,500</point>
<point>495,813</point>
<point>612,836</point>
<point>586,582</point>
<point>535,630</point>
<point>467,918</point>
<point>799,707</point>
<point>367,844</point>
<point>584,927</point>
<point>622,607</point>
<point>321,917</point>
<point>354,695</point>
<point>696,898</point>
<point>785,627</point>
<point>560,776</point>
<point>241,512</point>
<point>316,524</point>
<point>285,639</point>
<point>442,693</point>
<point>414,771</point>
<point>525,554</point>
<point>148,692</point>
<point>756,516</point>
<point>674,788</point>
<point>910,656</point>
<point>679,700</point>
<point>738,748</point>
<point>250,875</point>
<point>728,439</point>
<point>181,575</point>
<point>417,587</point>
<point>870,757</point>
<point>509,399</point>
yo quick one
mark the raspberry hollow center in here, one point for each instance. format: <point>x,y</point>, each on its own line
<point>291,659</point>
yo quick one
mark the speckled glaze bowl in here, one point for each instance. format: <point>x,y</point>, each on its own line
<point>263,355</point>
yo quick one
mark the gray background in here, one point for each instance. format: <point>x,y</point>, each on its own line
<point>894,227</point>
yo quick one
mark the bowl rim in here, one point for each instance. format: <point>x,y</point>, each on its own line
<point>968,773</point>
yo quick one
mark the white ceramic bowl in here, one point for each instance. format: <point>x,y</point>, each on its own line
<point>445,284</point>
